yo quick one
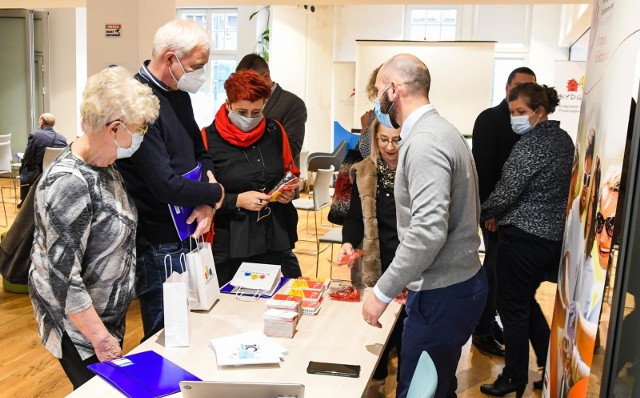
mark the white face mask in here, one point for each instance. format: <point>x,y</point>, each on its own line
<point>189,81</point>
<point>136,141</point>
<point>244,123</point>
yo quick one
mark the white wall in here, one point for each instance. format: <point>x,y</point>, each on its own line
<point>300,61</point>
<point>545,36</point>
<point>364,22</point>
<point>63,69</point>
<point>139,20</point>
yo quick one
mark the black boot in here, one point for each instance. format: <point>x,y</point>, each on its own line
<point>501,387</point>
<point>488,345</point>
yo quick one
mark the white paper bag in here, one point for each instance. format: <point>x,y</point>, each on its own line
<point>176,307</point>
<point>255,279</point>
<point>203,279</point>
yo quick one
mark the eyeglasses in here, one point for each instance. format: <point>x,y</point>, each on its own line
<point>608,224</point>
<point>586,179</point>
<point>385,141</point>
<point>142,130</point>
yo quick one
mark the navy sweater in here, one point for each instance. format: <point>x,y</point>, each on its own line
<point>153,175</point>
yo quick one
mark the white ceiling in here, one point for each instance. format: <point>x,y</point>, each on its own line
<point>41,4</point>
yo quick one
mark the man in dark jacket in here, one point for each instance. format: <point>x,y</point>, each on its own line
<point>492,141</point>
<point>155,174</point>
<point>31,166</point>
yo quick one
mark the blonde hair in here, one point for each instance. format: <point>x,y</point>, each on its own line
<point>113,94</point>
<point>180,36</point>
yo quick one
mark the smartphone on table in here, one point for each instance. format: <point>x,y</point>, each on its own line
<point>333,369</point>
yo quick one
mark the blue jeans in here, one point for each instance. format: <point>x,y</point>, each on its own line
<point>440,321</point>
<point>150,275</point>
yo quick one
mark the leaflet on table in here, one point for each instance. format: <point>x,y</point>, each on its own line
<point>179,214</point>
<point>309,284</point>
<point>250,348</point>
<point>143,375</point>
<point>288,183</point>
<point>230,289</point>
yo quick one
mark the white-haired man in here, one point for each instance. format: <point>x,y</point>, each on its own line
<point>172,147</point>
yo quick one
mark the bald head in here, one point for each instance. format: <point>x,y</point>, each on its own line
<point>47,120</point>
<point>407,70</point>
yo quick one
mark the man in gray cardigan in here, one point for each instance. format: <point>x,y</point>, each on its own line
<point>437,206</point>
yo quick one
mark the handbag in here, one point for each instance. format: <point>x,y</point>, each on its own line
<point>204,289</point>
<point>342,192</point>
<point>175,306</point>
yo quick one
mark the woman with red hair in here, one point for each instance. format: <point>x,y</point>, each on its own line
<point>251,154</point>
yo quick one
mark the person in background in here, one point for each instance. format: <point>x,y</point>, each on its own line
<point>527,209</point>
<point>173,147</point>
<point>288,109</point>
<point>371,220</point>
<point>367,118</point>
<point>492,141</point>
<point>83,257</point>
<point>283,106</point>
<point>250,154</point>
<point>31,165</point>
<point>437,209</point>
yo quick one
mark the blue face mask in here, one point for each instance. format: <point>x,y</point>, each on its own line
<point>521,124</point>
<point>383,117</point>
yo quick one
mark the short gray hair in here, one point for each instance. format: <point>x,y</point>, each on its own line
<point>180,36</point>
<point>113,94</point>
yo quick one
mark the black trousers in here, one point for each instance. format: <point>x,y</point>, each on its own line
<point>487,323</point>
<point>523,261</point>
<point>73,365</point>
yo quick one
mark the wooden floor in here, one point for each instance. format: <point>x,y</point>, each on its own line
<point>27,369</point>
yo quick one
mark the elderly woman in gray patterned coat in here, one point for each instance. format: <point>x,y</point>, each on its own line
<point>527,209</point>
<point>83,257</point>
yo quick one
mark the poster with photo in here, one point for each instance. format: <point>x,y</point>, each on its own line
<point>610,86</point>
<point>569,82</point>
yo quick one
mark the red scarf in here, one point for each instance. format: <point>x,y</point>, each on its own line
<point>233,135</point>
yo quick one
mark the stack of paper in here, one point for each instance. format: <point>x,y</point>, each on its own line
<point>310,291</point>
<point>249,348</point>
<point>284,302</point>
<point>311,307</point>
<point>280,323</point>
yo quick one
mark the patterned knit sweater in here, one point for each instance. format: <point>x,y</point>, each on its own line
<point>532,193</point>
<point>83,251</point>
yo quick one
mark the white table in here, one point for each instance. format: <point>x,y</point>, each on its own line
<point>337,334</point>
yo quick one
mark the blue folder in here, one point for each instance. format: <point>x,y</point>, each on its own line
<point>143,375</point>
<point>179,214</point>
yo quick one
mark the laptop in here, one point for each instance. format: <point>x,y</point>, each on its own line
<point>224,389</point>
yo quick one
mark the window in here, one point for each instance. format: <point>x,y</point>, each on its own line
<point>222,24</point>
<point>432,23</point>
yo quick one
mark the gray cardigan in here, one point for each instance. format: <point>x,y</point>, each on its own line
<point>437,206</point>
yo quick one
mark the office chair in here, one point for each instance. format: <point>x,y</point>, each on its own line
<point>425,378</point>
<point>333,237</point>
<point>321,199</point>
<point>50,154</point>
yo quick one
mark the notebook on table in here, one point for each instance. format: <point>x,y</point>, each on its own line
<point>221,389</point>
